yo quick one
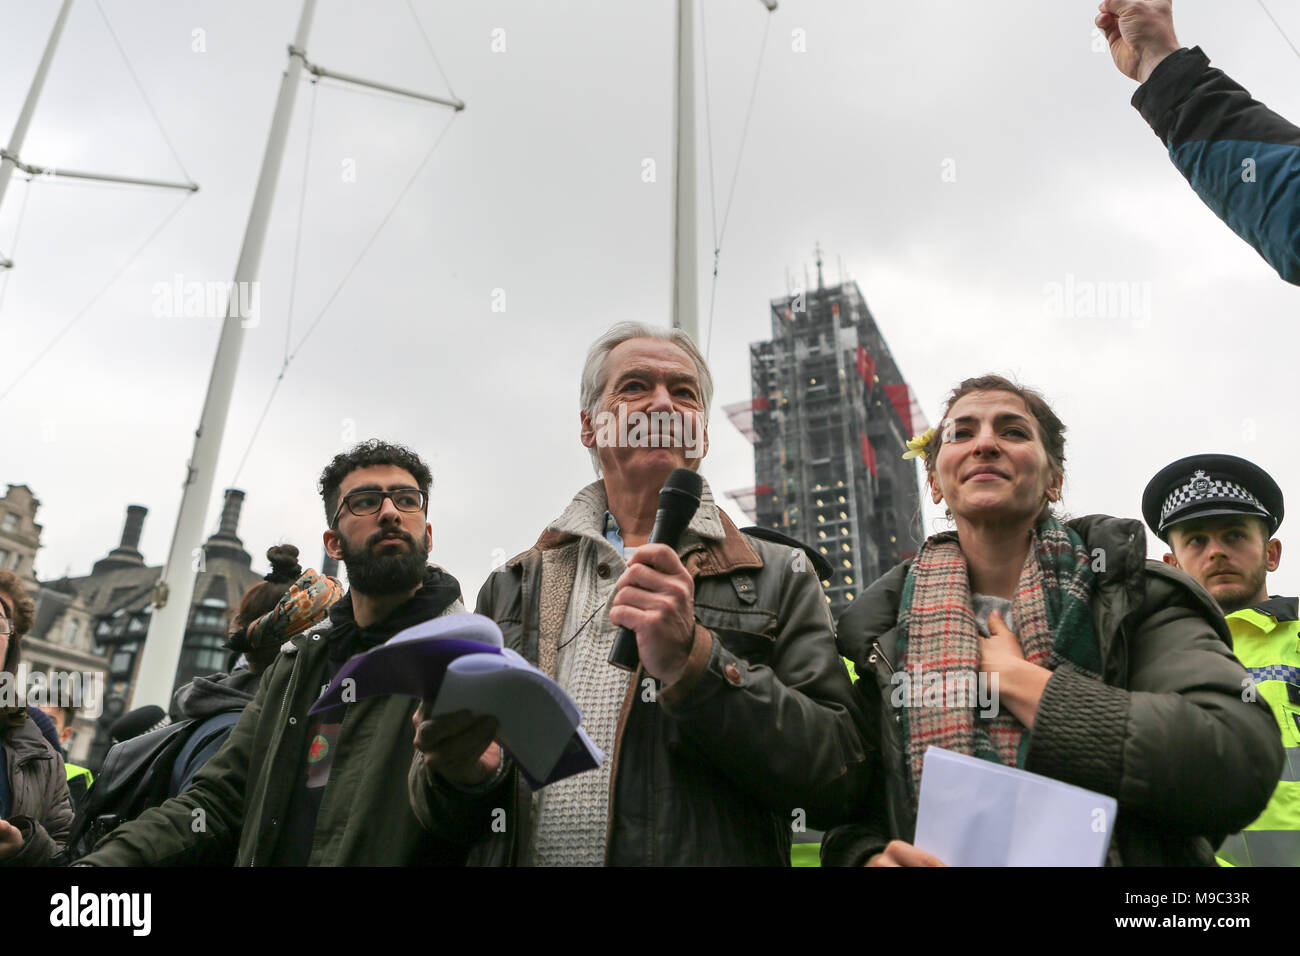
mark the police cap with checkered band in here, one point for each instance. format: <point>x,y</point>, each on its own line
<point>1204,485</point>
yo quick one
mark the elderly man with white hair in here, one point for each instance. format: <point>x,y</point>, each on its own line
<point>740,726</point>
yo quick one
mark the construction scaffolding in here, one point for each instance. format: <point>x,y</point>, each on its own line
<point>829,420</point>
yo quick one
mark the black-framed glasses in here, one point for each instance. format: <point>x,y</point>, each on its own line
<point>362,503</point>
<point>6,626</point>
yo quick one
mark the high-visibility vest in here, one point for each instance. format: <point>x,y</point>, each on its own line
<point>79,781</point>
<point>1266,639</point>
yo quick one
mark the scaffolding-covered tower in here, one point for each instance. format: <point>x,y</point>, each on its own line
<point>829,421</point>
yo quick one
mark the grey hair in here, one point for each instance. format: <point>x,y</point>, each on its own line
<point>595,378</point>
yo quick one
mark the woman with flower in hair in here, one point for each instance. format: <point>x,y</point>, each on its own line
<point>1113,673</point>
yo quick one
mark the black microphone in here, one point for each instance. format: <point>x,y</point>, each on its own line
<point>678,500</point>
<point>137,722</point>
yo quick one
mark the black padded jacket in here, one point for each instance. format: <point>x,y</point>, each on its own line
<point>1166,731</point>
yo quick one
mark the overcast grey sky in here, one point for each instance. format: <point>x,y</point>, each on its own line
<point>968,163</point>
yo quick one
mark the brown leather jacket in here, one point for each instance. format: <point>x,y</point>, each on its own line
<point>763,734</point>
<point>39,803</point>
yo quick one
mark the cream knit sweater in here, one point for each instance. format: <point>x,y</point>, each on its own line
<point>573,814</point>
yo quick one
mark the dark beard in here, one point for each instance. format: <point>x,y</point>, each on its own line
<point>1246,596</point>
<point>382,574</point>
<point>1241,598</point>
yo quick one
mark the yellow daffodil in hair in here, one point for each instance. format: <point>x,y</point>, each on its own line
<point>916,446</point>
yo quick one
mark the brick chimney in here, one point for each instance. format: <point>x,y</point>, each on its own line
<point>127,553</point>
<point>225,543</point>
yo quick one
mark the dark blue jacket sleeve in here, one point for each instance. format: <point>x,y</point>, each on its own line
<point>1242,159</point>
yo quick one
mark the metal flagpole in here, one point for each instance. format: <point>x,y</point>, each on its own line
<point>167,625</point>
<point>10,155</point>
<point>686,266</point>
<point>175,590</point>
<point>686,261</point>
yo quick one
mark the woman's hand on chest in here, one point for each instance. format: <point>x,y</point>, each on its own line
<point>1019,684</point>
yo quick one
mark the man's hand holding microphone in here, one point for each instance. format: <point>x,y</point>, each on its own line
<point>654,604</point>
<point>654,598</point>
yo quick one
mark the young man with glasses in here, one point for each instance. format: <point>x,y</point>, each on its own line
<point>328,789</point>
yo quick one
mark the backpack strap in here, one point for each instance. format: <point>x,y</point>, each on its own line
<point>823,567</point>
<point>128,783</point>
<point>205,741</point>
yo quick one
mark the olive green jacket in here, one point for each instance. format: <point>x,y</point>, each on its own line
<point>1166,731</point>
<point>240,797</point>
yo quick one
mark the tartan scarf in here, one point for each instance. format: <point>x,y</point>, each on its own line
<point>938,639</point>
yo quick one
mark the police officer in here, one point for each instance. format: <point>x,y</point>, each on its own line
<point>80,779</point>
<point>1218,514</point>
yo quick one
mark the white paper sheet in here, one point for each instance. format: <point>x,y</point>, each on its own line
<point>536,718</point>
<point>974,812</point>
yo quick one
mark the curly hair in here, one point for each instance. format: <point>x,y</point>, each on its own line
<point>365,455</point>
<point>21,608</point>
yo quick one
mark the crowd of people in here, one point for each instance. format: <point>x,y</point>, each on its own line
<point>1114,673</point>
<point>1171,686</point>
